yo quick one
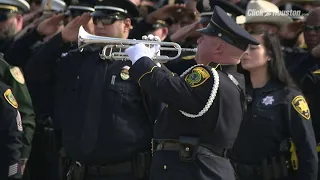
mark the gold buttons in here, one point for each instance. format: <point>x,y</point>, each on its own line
<point>187,149</point>
<point>165,167</point>
<point>219,34</point>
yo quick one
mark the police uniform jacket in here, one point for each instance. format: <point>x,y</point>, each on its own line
<point>104,116</point>
<point>274,114</point>
<point>12,76</point>
<point>10,135</point>
<point>185,97</point>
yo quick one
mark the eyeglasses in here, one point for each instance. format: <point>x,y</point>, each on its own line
<point>107,20</point>
<point>311,28</point>
<point>5,15</point>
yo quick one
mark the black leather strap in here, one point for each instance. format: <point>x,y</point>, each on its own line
<point>175,146</point>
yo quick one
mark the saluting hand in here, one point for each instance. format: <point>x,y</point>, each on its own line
<point>164,12</point>
<point>71,30</point>
<point>50,25</point>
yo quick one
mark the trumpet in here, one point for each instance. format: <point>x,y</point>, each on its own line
<point>85,39</point>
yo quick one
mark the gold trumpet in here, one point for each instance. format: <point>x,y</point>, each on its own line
<point>84,39</point>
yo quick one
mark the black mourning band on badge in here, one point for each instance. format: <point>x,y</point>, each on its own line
<point>225,35</point>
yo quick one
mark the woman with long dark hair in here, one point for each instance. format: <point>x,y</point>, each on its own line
<point>276,139</point>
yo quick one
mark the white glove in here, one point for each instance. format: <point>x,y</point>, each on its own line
<point>151,37</point>
<point>140,50</point>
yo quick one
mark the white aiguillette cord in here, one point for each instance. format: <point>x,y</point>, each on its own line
<point>212,96</point>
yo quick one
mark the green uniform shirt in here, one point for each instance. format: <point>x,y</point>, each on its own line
<point>12,76</point>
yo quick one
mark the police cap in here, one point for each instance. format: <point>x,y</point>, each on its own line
<point>224,27</point>
<point>107,7</point>
<point>55,5</point>
<point>76,9</point>
<point>21,6</point>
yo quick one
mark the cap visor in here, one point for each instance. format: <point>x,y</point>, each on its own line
<point>98,14</point>
<point>205,31</point>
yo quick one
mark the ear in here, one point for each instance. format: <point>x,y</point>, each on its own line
<point>219,48</point>
<point>19,21</point>
<point>127,25</point>
<point>164,33</point>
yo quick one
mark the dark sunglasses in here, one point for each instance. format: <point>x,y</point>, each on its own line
<point>107,20</point>
<point>311,28</point>
<point>5,15</point>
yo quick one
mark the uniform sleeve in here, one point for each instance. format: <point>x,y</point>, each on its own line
<point>10,137</point>
<point>188,93</point>
<point>301,130</point>
<point>15,79</point>
<point>20,50</point>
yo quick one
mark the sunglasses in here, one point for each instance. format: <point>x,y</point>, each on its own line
<point>311,28</point>
<point>5,15</point>
<point>107,20</point>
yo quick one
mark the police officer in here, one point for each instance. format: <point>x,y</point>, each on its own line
<point>12,76</point>
<point>276,139</point>
<point>106,119</point>
<point>10,135</point>
<point>204,105</point>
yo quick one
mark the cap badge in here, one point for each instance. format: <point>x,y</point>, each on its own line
<point>124,74</point>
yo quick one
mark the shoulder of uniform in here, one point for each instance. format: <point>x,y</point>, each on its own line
<point>17,74</point>
<point>197,75</point>
<point>299,103</point>
<point>7,94</point>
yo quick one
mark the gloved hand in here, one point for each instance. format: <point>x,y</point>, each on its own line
<point>141,50</point>
<point>150,37</point>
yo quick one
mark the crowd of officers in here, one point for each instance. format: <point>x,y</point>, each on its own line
<point>81,115</point>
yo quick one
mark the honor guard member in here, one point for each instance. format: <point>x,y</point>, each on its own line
<point>105,118</point>
<point>204,105</point>
<point>10,135</point>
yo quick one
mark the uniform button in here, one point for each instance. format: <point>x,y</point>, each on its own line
<point>165,167</point>
<point>254,115</point>
<point>78,77</point>
<point>187,149</point>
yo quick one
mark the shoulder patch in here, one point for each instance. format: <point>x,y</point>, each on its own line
<point>17,75</point>
<point>10,98</point>
<point>197,76</point>
<point>300,105</point>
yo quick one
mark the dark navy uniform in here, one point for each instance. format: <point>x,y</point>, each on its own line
<point>277,122</point>
<point>10,135</point>
<point>105,118</point>
<point>203,113</point>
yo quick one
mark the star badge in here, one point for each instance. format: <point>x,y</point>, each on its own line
<point>268,100</point>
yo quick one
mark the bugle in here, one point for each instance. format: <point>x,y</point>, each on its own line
<point>85,39</point>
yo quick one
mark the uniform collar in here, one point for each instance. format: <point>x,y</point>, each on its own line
<point>270,86</point>
<point>224,68</point>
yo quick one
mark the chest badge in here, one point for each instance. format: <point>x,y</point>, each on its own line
<point>124,74</point>
<point>268,100</point>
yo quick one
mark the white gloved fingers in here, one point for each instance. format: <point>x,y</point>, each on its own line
<point>156,38</point>
<point>150,37</point>
<point>144,37</point>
